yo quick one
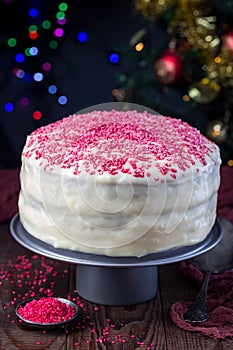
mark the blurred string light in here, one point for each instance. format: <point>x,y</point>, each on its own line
<point>9,107</point>
<point>82,37</point>
<point>33,12</point>
<point>24,102</point>
<point>114,57</point>
<point>38,76</point>
<point>62,100</point>
<point>47,66</point>
<point>27,77</point>
<point>37,115</point>
<point>12,42</point>
<point>35,30</point>
<point>43,32</point>
<point>52,89</point>
<point>19,57</point>
<point>58,32</point>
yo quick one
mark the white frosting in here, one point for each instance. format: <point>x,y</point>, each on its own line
<point>121,214</point>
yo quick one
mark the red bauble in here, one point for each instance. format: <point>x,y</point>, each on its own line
<point>227,40</point>
<point>168,67</point>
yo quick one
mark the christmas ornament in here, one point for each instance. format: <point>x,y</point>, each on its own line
<point>227,40</point>
<point>118,94</point>
<point>168,67</point>
<point>152,9</point>
<point>204,91</point>
<point>217,131</point>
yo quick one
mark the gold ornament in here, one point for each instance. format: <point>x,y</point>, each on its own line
<point>217,131</point>
<point>204,91</point>
<point>152,9</point>
<point>118,94</point>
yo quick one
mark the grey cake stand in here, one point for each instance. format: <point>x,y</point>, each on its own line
<point>115,280</point>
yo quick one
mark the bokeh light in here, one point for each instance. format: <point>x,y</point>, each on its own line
<point>28,77</point>
<point>12,42</point>
<point>82,37</point>
<point>52,89</point>
<point>60,15</point>
<point>19,73</point>
<point>59,32</point>
<point>33,35</point>
<point>114,57</point>
<point>9,107</point>
<point>33,12</point>
<point>62,100</point>
<point>63,6</point>
<point>33,51</point>
<point>53,44</point>
<point>47,66</point>
<point>27,51</point>
<point>33,28</point>
<point>38,76</point>
<point>19,57</point>
<point>37,115</point>
<point>24,102</point>
<point>61,22</point>
<point>46,24</point>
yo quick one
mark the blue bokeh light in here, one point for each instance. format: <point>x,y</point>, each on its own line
<point>27,77</point>
<point>62,100</point>
<point>33,12</point>
<point>114,57</point>
<point>38,76</point>
<point>9,107</point>
<point>52,89</point>
<point>19,57</point>
<point>82,37</point>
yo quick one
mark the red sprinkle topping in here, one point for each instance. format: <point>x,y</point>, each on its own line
<point>46,310</point>
<point>112,142</point>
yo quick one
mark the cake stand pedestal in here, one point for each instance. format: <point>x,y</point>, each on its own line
<point>115,280</point>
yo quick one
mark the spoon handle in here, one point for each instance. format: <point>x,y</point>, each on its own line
<point>197,313</point>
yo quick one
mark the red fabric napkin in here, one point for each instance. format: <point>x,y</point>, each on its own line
<point>9,192</point>
<point>225,194</point>
<point>219,304</point>
<point>220,288</point>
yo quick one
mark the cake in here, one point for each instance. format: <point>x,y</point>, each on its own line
<point>119,183</point>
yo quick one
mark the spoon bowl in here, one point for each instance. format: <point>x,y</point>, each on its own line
<point>46,325</point>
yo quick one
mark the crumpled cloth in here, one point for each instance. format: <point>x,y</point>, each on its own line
<point>219,304</point>
<point>220,288</point>
<point>225,194</point>
<point>9,193</point>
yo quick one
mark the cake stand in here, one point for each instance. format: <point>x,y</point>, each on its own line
<point>115,280</point>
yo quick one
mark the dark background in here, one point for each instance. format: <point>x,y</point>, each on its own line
<point>82,71</point>
<point>84,74</point>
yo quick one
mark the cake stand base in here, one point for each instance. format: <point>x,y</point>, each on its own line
<point>116,280</point>
<point>116,286</point>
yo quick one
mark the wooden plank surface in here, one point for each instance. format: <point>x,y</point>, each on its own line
<point>144,326</point>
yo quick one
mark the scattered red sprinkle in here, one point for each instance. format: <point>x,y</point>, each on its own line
<point>36,272</point>
<point>113,141</point>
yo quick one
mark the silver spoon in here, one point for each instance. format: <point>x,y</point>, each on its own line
<point>217,260</point>
<point>29,323</point>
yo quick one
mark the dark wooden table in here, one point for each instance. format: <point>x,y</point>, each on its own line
<point>144,326</point>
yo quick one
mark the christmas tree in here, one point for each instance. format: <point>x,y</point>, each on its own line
<point>180,63</point>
